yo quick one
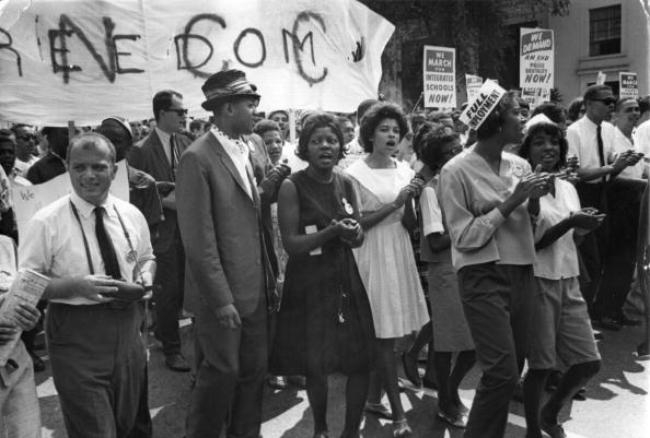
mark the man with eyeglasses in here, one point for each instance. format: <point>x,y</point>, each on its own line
<point>158,155</point>
<point>25,148</point>
<point>591,139</point>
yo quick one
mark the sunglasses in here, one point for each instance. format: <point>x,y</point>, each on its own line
<point>26,137</point>
<point>607,101</point>
<point>179,111</point>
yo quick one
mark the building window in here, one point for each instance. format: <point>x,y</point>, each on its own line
<point>605,30</point>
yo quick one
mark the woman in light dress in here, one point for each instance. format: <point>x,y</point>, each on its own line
<point>385,260</point>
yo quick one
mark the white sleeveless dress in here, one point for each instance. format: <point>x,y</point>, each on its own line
<point>385,260</point>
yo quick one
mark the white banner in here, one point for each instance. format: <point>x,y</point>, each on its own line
<point>477,110</point>
<point>537,59</point>
<point>83,60</point>
<point>439,77</point>
<point>28,200</point>
<point>473,84</point>
<point>628,85</point>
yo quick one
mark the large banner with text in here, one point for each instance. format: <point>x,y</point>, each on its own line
<point>83,60</point>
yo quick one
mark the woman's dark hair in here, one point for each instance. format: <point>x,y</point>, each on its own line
<point>310,124</point>
<point>557,113</point>
<point>264,126</point>
<point>574,109</point>
<point>424,129</point>
<point>431,145</point>
<point>550,129</point>
<point>492,124</point>
<point>374,116</point>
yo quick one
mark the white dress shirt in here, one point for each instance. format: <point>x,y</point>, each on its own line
<point>560,259</point>
<point>583,143</point>
<point>239,152</point>
<point>641,137</point>
<point>23,166</point>
<point>53,244</point>
<point>623,144</point>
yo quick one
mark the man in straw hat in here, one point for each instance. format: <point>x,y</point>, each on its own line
<point>230,283</point>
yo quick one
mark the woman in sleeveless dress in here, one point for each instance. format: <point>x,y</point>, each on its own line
<point>325,324</point>
<point>386,261</point>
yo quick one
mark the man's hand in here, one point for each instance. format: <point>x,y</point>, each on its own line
<point>165,187</point>
<point>620,163</point>
<point>126,292</point>
<point>91,287</point>
<point>228,316</point>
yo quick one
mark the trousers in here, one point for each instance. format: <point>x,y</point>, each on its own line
<point>99,368</point>
<point>497,303</point>
<point>230,376</point>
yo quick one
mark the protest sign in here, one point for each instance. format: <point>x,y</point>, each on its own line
<point>537,59</point>
<point>472,85</point>
<point>27,200</point>
<point>535,96</point>
<point>478,109</point>
<point>82,60</point>
<point>601,78</point>
<point>439,77</point>
<point>628,85</point>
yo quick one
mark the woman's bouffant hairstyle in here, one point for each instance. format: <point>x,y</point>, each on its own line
<point>549,129</point>
<point>374,116</point>
<point>492,124</point>
<point>310,124</point>
<point>431,145</point>
<point>573,112</point>
<point>264,126</point>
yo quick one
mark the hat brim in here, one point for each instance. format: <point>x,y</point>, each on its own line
<point>210,103</point>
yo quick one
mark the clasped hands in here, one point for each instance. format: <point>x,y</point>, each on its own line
<point>274,178</point>
<point>348,229</point>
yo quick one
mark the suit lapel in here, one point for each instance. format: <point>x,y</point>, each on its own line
<point>230,166</point>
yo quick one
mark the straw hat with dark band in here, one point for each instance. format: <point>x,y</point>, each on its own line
<point>225,85</point>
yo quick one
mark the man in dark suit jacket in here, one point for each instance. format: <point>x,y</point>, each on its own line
<point>158,155</point>
<point>230,285</point>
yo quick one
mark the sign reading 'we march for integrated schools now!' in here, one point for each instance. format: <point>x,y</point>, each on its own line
<point>439,77</point>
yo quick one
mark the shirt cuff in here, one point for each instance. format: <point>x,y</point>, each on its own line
<point>494,218</point>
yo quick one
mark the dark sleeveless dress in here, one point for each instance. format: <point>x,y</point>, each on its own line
<point>325,323</point>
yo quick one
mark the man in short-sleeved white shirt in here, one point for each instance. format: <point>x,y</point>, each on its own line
<point>97,250</point>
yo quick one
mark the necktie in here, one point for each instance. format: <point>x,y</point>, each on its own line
<point>111,265</point>
<point>173,155</point>
<point>601,152</point>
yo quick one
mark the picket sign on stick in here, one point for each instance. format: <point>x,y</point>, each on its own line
<point>536,65</point>
<point>628,85</point>
<point>82,60</point>
<point>439,77</point>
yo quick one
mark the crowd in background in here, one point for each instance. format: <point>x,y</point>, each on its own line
<point>346,249</point>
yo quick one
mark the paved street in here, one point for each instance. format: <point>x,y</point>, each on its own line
<point>618,405</point>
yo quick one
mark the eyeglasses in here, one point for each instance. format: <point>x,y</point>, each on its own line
<point>179,111</point>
